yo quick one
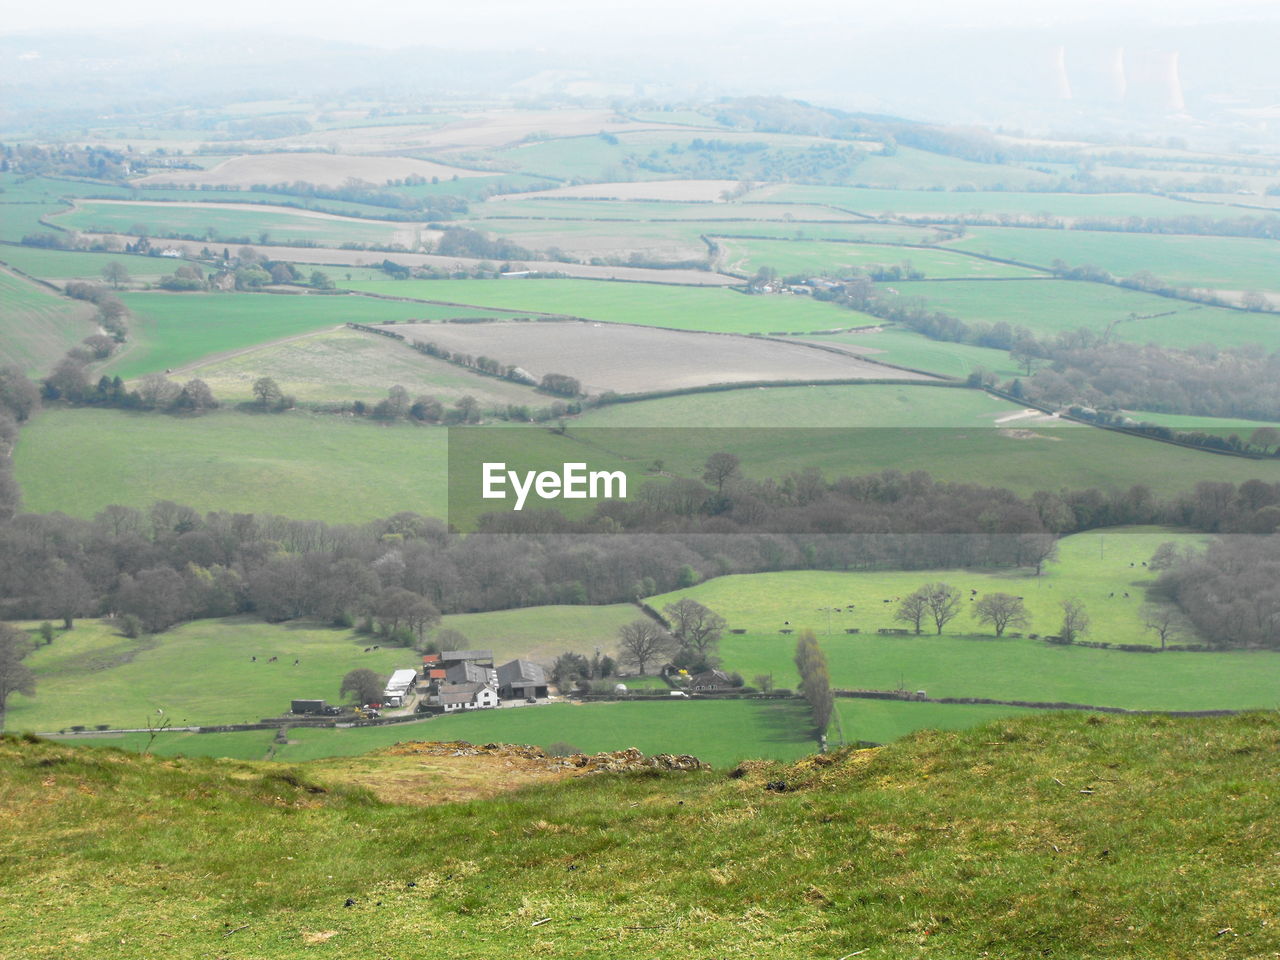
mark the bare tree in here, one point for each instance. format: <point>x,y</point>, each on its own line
<point>720,468</point>
<point>115,273</point>
<point>1075,620</point>
<point>695,626</point>
<point>912,610</point>
<point>1001,610</point>
<point>641,642</point>
<point>1162,621</point>
<point>943,602</point>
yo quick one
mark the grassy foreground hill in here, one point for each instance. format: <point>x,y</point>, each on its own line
<point>1065,836</point>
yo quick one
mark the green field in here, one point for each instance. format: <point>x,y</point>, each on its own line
<point>37,326</point>
<point>1229,263</point>
<point>215,223</point>
<point>308,467</point>
<point>1090,567</point>
<point>720,733</point>
<point>543,633</point>
<point>343,364</point>
<point>908,349</point>
<point>1054,833</point>
<point>172,330</point>
<point>841,259</point>
<point>75,264</point>
<point>653,305</point>
<point>1050,307</point>
<point>199,673</point>
<point>994,202</point>
<point>1023,456</point>
<point>559,208</point>
<point>869,405</point>
<point>17,220</point>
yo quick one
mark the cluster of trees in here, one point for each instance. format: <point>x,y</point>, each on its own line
<point>399,405</point>
<point>937,604</point>
<point>572,669</point>
<point>687,635</point>
<point>73,160</point>
<point>15,676</point>
<point>465,242</point>
<point>1089,369</point>
<point>430,207</point>
<point>1230,590</point>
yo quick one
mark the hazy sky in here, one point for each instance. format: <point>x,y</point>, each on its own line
<point>563,23</point>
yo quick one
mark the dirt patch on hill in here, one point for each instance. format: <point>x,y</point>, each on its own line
<point>1027,435</point>
<point>428,773</point>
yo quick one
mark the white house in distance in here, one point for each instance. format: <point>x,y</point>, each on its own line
<point>464,696</point>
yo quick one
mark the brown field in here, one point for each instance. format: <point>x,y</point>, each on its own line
<point>699,191</point>
<point>633,359</point>
<point>322,169</point>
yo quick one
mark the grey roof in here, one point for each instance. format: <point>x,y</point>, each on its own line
<point>459,692</point>
<point>467,655</point>
<point>521,673</point>
<point>469,672</point>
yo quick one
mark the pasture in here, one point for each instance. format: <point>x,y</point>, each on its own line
<point>646,210</point>
<point>200,672</point>
<point>854,405</point>
<point>1021,456</point>
<point>234,223</point>
<point>1049,307</point>
<point>994,203</point>
<point>543,633</point>
<point>63,265</point>
<point>908,349</point>
<point>321,169</point>
<point>836,259</point>
<point>634,359</point>
<point>172,330</point>
<point>342,364</point>
<point>651,305</point>
<point>37,326</point>
<point>308,467</point>
<point>1227,263</point>
<point>720,733</point>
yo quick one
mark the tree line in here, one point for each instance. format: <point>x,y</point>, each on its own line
<point>1228,590</point>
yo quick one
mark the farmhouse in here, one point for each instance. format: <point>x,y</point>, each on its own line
<point>521,679</point>
<point>450,697</point>
<point>710,681</point>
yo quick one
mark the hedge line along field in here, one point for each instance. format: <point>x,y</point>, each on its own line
<point>993,203</point>
<point>307,467</point>
<point>1047,307</point>
<point>1090,567</point>
<point>1227,263</point>
<point>1015,457</point>
<point>222,223</point>
<point>342,365</point>
<point>651,305</point>
<point>790,257</point>
<point>172,330</point>
<point>37,326</point>
<point>855,405</point>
